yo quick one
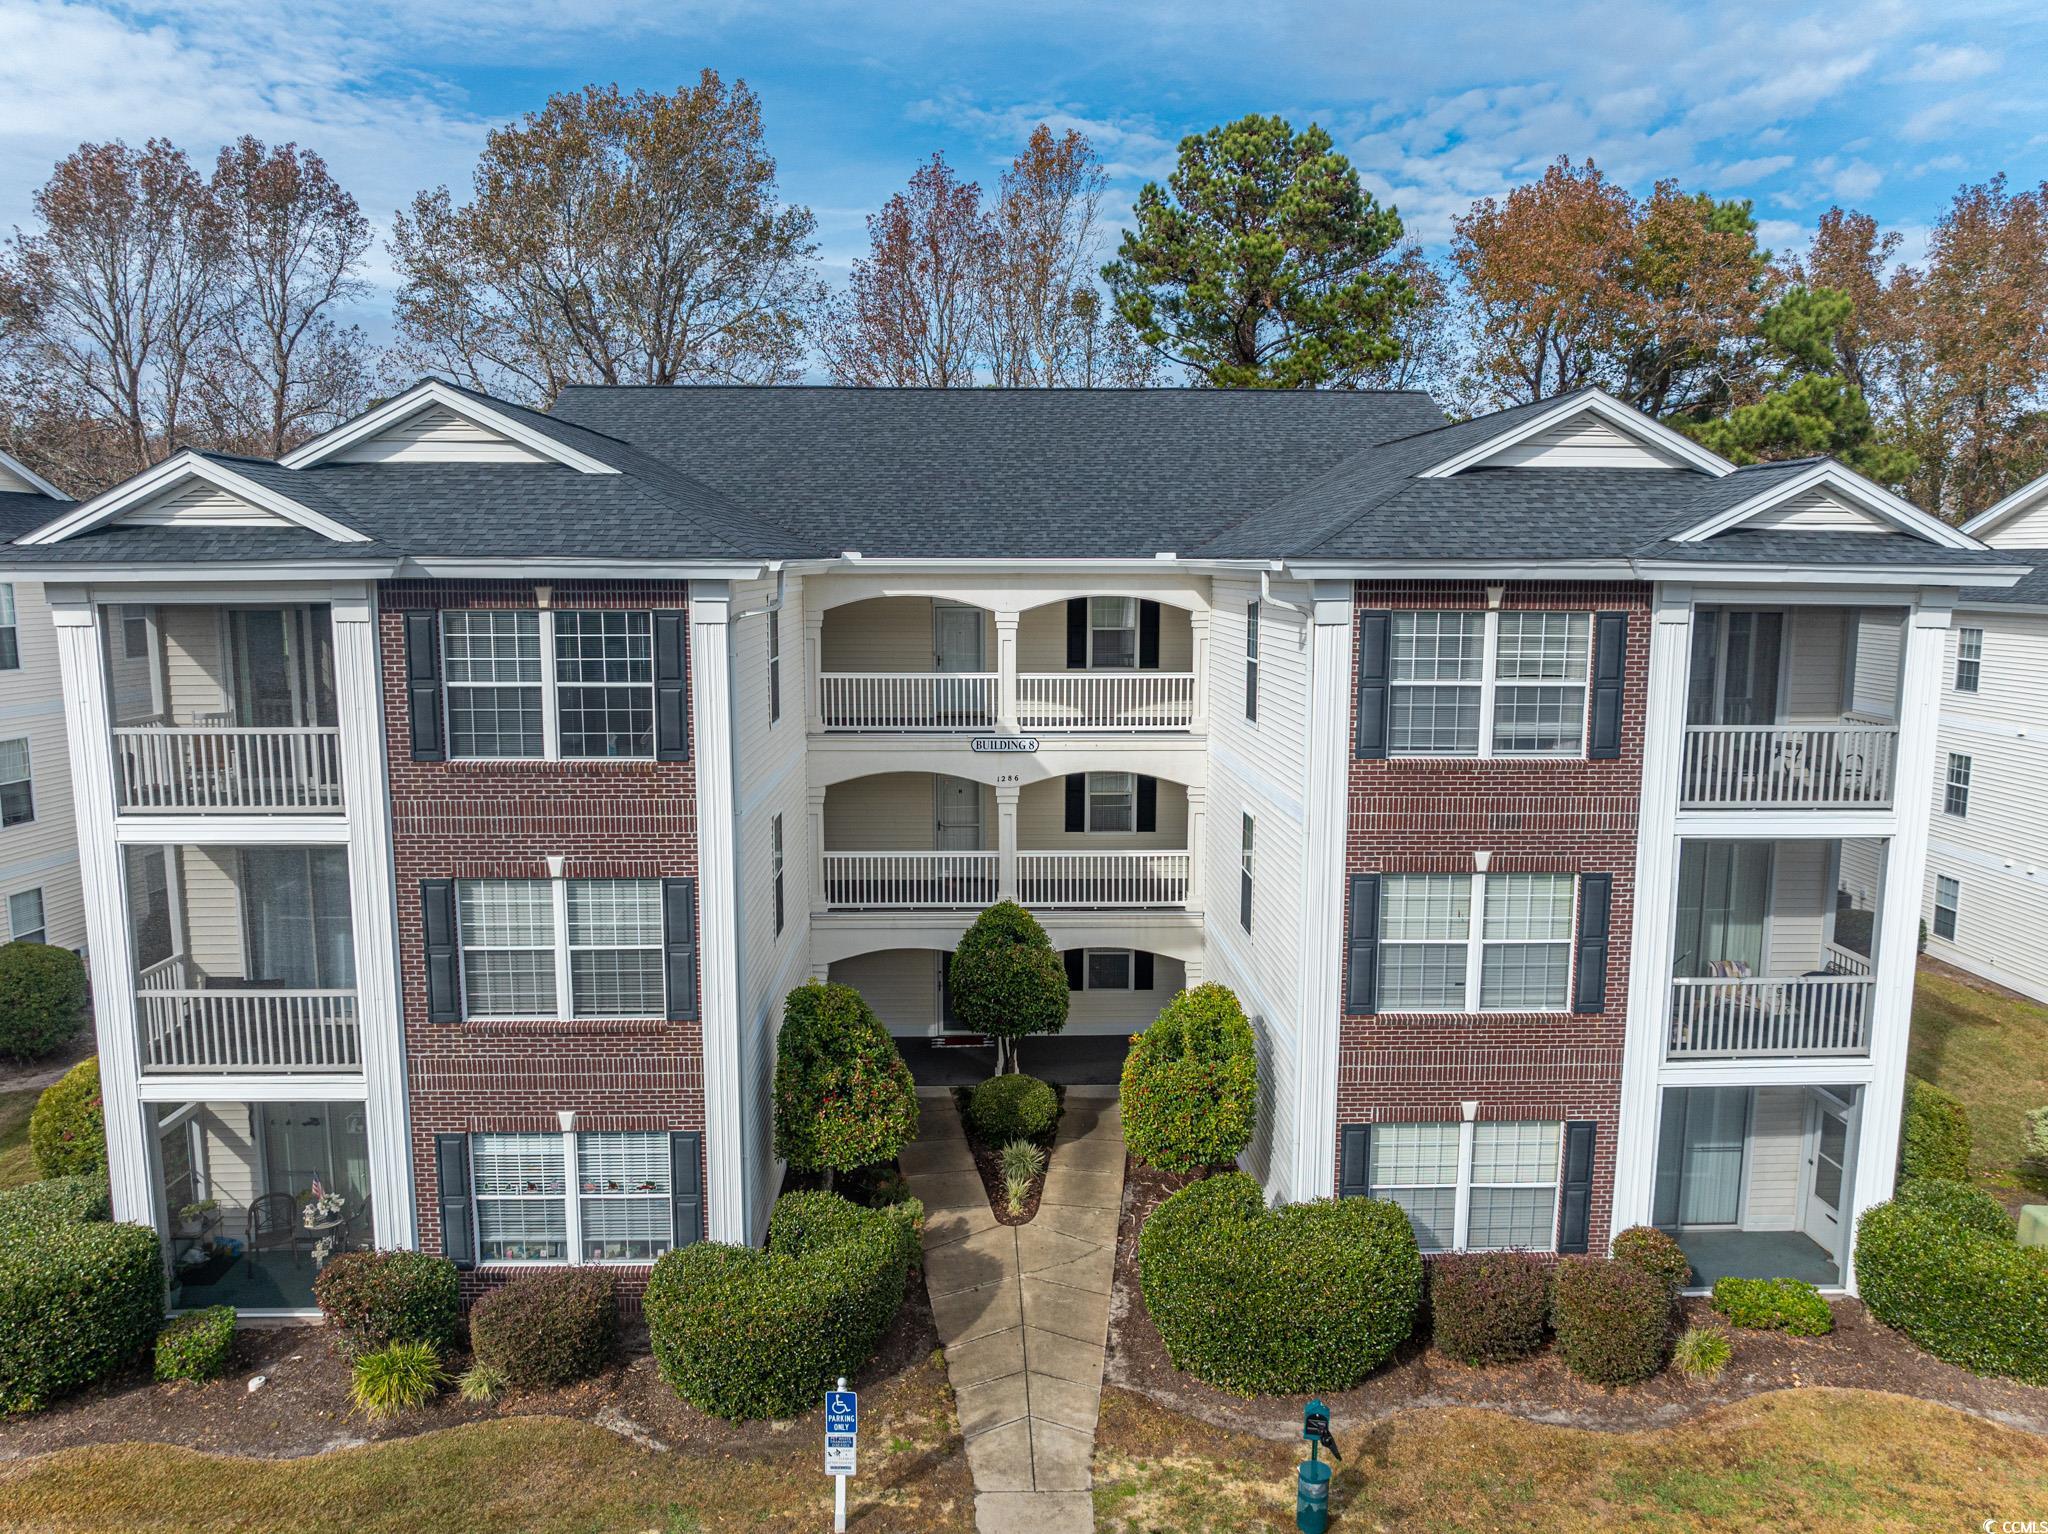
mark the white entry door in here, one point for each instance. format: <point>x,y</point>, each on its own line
<point>959,826</point>
<point>957,648</point>
<point>1828,1152</point>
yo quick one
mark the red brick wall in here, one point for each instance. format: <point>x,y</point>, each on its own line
<point>477,819</point>
<point>1544,816</point>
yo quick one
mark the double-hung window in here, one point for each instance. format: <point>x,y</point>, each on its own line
<point>1108,969</point>
<point>1244,875</point>
<point>1112,801</point>
<point>1948,894</point>
<point>1112,633</point>
<point>1472,1186</point>
<point>1251,661</point>
<point>1539,674</point>
<point>1488,684</point>
<point>10,630</point>
<point>604,678</point>
<point>620,1210</point>
<point>521,1194</point>
<point>774,667</point>
<point>25,917</point>
<point>17,793</point>
<point>527,943</point>
<point>625,1202</point>
<point>775,862</point>
<point>1516,958</point>
<point>596,699</point>
<point>1955,788</point>
<point>492,662</point>
<point>1969,659</point>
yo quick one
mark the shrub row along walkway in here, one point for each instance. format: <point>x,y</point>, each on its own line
<point>1023,1311</point>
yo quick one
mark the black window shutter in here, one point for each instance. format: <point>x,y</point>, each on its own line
<point>1077,633</point>
<point>1354,1161</point>
<point>1141,969</point>
<point>1610,663</point>
<point>1148,636</point>
<point>671,687</point>
<point>458,1216</point>
<point>1073,958</point>
<point>1375,634</point>
<point>437,925</point>
<point>1362,945</point>
<point>423,686</point>
<point>1575,1209</point>
<point>1596,898</point>
<point>686,1182</point>
<point>679,939</point>
<point>1148,803</point>
<point>1077,801</point>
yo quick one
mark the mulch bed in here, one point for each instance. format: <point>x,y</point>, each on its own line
<point>303,1408</point>
<point>1860,1354</point>
<point>988,1161</point>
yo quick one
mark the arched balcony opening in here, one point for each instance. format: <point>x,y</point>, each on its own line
<point>907,663</point>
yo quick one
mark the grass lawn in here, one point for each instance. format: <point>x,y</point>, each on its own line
<point>15,1166</point>
<point>1797,1459</point>
<point>1990,1048</point>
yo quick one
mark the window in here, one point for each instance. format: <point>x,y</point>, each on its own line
<point>25,916</point>
<point>775,676</point>
<point>597,700</point>
<point>1488,684</point>
<point>521,1203</point>
<point>1112,633</point>
<point>1108,969</point>
<point>625,1202</point>
<point>10,630</point>
<point>135,633</point>
<point>515,965</point>
<point>623,1210</point>
<point>1244,876</point>
<point>1518,960</point>
<point>1955,790</point>
<point>17,794</point>
<point>1969,658</point>
<point>1947,899</point>
<point>1112,801</point>
<point>775,861</point>
<point>1472,1187</point>
<point>1251,660</point>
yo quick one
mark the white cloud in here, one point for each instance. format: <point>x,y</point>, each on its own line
<point>1939,64</point>
<point>1856,180</point>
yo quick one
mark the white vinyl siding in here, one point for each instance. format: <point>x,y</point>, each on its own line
<point>887,634</point>
<point>893,812</point>
<point>1583,441</point>
<point>42,854</point>
<point>436,434</point>
<point>200,504</point>
<point>1817,510</point>
<point>1042,823</point>
<point>1773,1158</point>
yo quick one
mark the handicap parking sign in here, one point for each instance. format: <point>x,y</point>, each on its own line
<point>842,1424</point>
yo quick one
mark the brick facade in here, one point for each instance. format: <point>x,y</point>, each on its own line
<point>1534,816</point>
<point>486,819</point>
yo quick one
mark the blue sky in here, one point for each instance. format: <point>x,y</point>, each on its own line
<point>1883,106</point>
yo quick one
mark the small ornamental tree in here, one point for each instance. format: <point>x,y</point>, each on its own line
<point>1007,981</point>
<point>843,1096</point>
<point>67,1131</point>
<point>1190,1089</point>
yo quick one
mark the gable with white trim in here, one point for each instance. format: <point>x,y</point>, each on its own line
<point>198,503</point>
<point>1818,510</point>
<point>14,484</point>
<point>1588,429</point>
<point>1585,441</point>
<point>436,434</point>
<point>2020,521</point>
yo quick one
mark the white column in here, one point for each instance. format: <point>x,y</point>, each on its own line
<point>1655,909</point>
<point>717,904</point>
<point>814,800</point>
<point>1006,840</point>
<point>814,668</point>
<point>1198,820</point>
<point>366,792</point>
<point>1325,837</point>
<point>1198,626</point>
<point>1006,670</point>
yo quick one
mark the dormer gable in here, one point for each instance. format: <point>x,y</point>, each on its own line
<point>1825,496</point>
<point>1586,430</point>
<point>17,478</point>
<point>2020,521</point>
<point>191,490</point>
<point>433,422</point>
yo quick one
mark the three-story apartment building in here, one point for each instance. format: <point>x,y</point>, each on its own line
<point>501,772</point>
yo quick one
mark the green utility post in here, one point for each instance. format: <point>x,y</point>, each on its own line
<point>1312,1486</point>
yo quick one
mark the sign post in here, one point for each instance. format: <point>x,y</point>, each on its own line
<point>842,1431</point>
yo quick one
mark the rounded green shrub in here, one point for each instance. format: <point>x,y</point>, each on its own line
<point>42,999</point>
<point>67,1130</point>
<point>748,1334</point>
<point>1655,1252</point>
<point>1018,1107</point>
<point>1488,1307</point>
<point>196,1346</point>
<point>1307,1297</point>
<point>77,1301</point>
<point>551,1328</point>
<point>1774,1305</point>
<point>1934,1137</point>
<point>1612,1319</point>
<point>394,1378</point>
<point>54,1201</point>
<point>1190,1092</point>
<point>1005,979</point>
<point>372,1298</point>
<point>1972,1208</point>
<point>843,1096</point>
<point>1968,1296</point>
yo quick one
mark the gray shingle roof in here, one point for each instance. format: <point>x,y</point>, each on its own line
<point>23,511</point>
<point>2032,590</point>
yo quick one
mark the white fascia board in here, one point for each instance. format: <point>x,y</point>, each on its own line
<point>432,391</point>
<point>1993,517</point>
<point>1747,574</point>
<point>21,470</point>
<point>176,574</point>
<point>1461,569</point>
<point>1652,434</point>
<point>1828,474</point>
<point>174,471</point>
<point>557,568</point>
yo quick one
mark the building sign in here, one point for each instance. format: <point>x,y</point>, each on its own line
<point>1003,743</point>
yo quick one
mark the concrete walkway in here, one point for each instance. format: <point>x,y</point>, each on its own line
<point>1023,1311</point>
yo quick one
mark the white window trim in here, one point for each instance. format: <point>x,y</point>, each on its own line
<point>1088,825</point>
<point>572,1195</point>
<point>1130,957</point>
<point>12,625</point>
<point>42,931</point>
<point>774,667</point>
<point>550,692</point>
<point>1489,685</point>
<point>1476,944</point>
<point>1251,662</point>
<point>1954,788</point>
<point>1964,638</point>
<point>1248,873</point>
<point>1461,1222</point>
<point>1130,628</point>
<point>1955,908</point>
<point>775,856</point>
<point>28,753</point>
<point>565,1000</point>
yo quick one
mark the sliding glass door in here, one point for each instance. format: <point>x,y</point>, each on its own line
<point>1736,658</point>
<point>1724,901</point>
<point>1699,1156</point>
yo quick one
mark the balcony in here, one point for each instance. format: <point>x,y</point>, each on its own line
<point>1808,767</point>
<point>1105,700</point>
<point>909,881</point>
<point>193,1023</point>
<point>1103,880</point>
<point>188,770</point>
<point>917,701</point>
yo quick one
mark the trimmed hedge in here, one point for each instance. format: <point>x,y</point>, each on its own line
<point>1308,1297</point>
<point>843,1096</point>
<point>1656,1253</point>
<point>38,1206</point>
<point>1612,1319</point>
<point>1966,1295</point>
<point>67,1131</point>
<point>42,999</point>
<point>1017,1107</point>
<point>372,1298</point>
<point>1934,1137</point>
<point>549,1328</point>
<point>1972,1208</point>
<point>746,1334</point>
<point>1489,1307</point>
<point>1774,1305</point>
<point>196,1346</point>
<point>76,1302</point>
<point>1190,1092</point>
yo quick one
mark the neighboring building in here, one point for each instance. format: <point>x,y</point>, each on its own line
<point>39,883</point>
<point>489,776</point>
<point>1986,898</point>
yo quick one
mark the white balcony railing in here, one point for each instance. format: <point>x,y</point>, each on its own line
<point>1105,700</point>
<point>160,768</point>
<point>1752,1018</point>
<point>882,700</point>
<point>1795,766</point>
<point>1845,961</point>
<point>253,1031</point>
<point>1102,879</point>
<point>909,881</point>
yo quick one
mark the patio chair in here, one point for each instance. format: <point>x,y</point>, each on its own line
<point>274,1226</point>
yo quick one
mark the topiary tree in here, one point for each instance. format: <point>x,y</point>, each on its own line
<point>1934,1136</point>
<point>843,1096</point>
<point>67,1132</point>
<point>1007,981</point>
<point>42,999</point>
<point>1190,1090</point>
